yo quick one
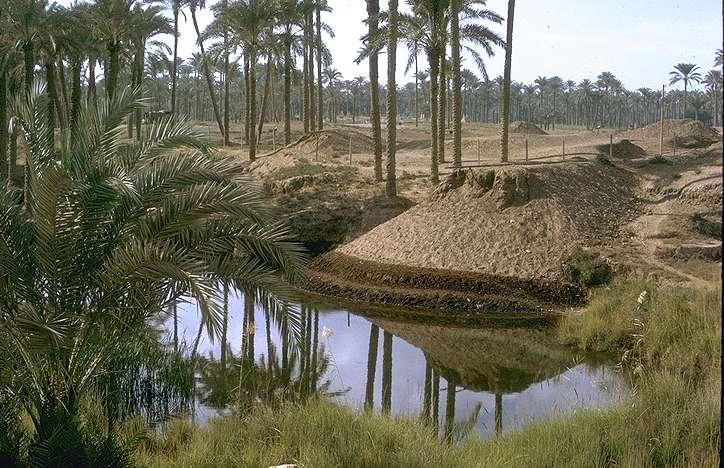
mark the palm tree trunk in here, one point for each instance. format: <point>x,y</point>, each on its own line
<point>506,82</point>
<point>305,84</point>
<point>29,64</point>
<point>227,98</point>
<point>310,63</point>
<point>442,108</point>
<point>91,79</point>
<point>174,64</point>
<point>320,97</point>
<point>207,71</point>
<point>417,107</point>
<point>371,366</point>
<point>247,97</point>
<point>456,83</point>
<point>391,186</point>
<point>252,105</point>
<point>287,94</point>
<point>52,99</point>
<point>373,10</point>
<point>433,60</point>
<point>114,50</point>
<point>265,96</point>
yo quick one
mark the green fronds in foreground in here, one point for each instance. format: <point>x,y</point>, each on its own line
<point>671,340</point>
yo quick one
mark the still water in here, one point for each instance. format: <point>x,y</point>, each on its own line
<point>489,377</point>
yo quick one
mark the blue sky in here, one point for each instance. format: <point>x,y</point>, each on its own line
<point>639,41</point>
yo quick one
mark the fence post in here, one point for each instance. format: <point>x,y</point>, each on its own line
<point>350,149</point>
<point>316,148</point>
<point>478,150</point>
<point>526,149</point>
<point>610,146</point>
<point>674,144</point>
<point>564,148</point>
<point>274,139</point>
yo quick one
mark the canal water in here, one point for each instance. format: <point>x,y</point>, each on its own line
<point>490,376</point>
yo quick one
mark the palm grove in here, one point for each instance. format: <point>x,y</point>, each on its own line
<point>106,209</point>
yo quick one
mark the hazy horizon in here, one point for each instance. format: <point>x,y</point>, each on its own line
<point>639,42</point>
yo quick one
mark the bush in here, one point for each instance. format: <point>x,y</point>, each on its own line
<point>586,268</point>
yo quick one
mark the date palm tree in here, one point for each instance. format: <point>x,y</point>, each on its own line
<point>116,233</point>
<point>688,73</point>
<point>373,12</point>
<point>506,82</point>
<point>391,186</point>
<point>289,21</point>
<point>713,83</point>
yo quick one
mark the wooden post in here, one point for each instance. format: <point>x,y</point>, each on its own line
<point>316,148</point>
<point>674,144</point>
<point>564,147</point>
<point>661,130</point>
<point>526,149</point>
<point>274,139</point>
<point>478,150</point>
<point>610,147</point>
<point>350,149</point>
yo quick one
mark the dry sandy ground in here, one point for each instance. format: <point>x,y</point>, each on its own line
<point>524,219</point>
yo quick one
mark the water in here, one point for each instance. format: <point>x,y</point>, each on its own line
<point>491,377</point>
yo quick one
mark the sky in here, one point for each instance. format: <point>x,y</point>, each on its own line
<point>639,41</point>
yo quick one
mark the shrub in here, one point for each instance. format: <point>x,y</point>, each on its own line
<point>586,268</point>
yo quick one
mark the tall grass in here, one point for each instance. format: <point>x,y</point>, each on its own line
<point>669,341</point>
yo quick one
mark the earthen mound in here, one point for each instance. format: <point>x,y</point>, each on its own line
<point>527,128</point>
<point>686,131</point>
<point>333,143</point>
<point>622,150</point>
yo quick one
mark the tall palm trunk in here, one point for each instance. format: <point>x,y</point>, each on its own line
<point>75,98</point>
<point>287,93</point>
<point>506,82</point>
<point>52,98</point>
<point>450,409</point>
<point>310,63</point>
<point>174,64</point>
<point>456,82</point>
<point>114,51</point>
<point>305,84</point>
<point>320,98</point>
<point>252,105</point>
<point>224,326</point>
<point>91,79</point>
<point>265,96</point>
<point>442,107</point>
<point>247,97</point>
<point>391,186</point>
<point>417,86</point>
<point>373,10</point>
<point>433,60</point>
<point>207,70</point>
<point>29,65</point>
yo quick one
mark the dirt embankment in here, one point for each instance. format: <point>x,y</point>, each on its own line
<point>491,240</point>
<point>686,133</point>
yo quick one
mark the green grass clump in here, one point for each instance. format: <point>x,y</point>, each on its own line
<point>669,340</point>
<point>587,269</point>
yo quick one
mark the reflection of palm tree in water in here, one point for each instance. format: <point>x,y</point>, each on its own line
<point>387,372</point>
<point>371,366</point>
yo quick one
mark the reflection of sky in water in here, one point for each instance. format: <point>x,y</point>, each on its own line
<point>580,386</point>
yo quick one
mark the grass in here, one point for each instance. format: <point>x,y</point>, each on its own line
<point>669,340</point>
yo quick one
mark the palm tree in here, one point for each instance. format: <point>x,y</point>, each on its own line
<point>719,58</point>
<point>250,21</point>
<point>456,81</point>
<point>332,77</point>
<point>289,19</point>
<point>686,72</point>
<point>506,82</point>
<point>112,228</point>
<point>193,5</point>
<point>713,83</point>
<point>373,11</point>
<point>391,187</point>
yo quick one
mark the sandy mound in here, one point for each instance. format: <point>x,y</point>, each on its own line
<point>333,143</point>
<point>522,222</point>
<point>688,132</point>
<point>622,150</point>
<point>526,127</point>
